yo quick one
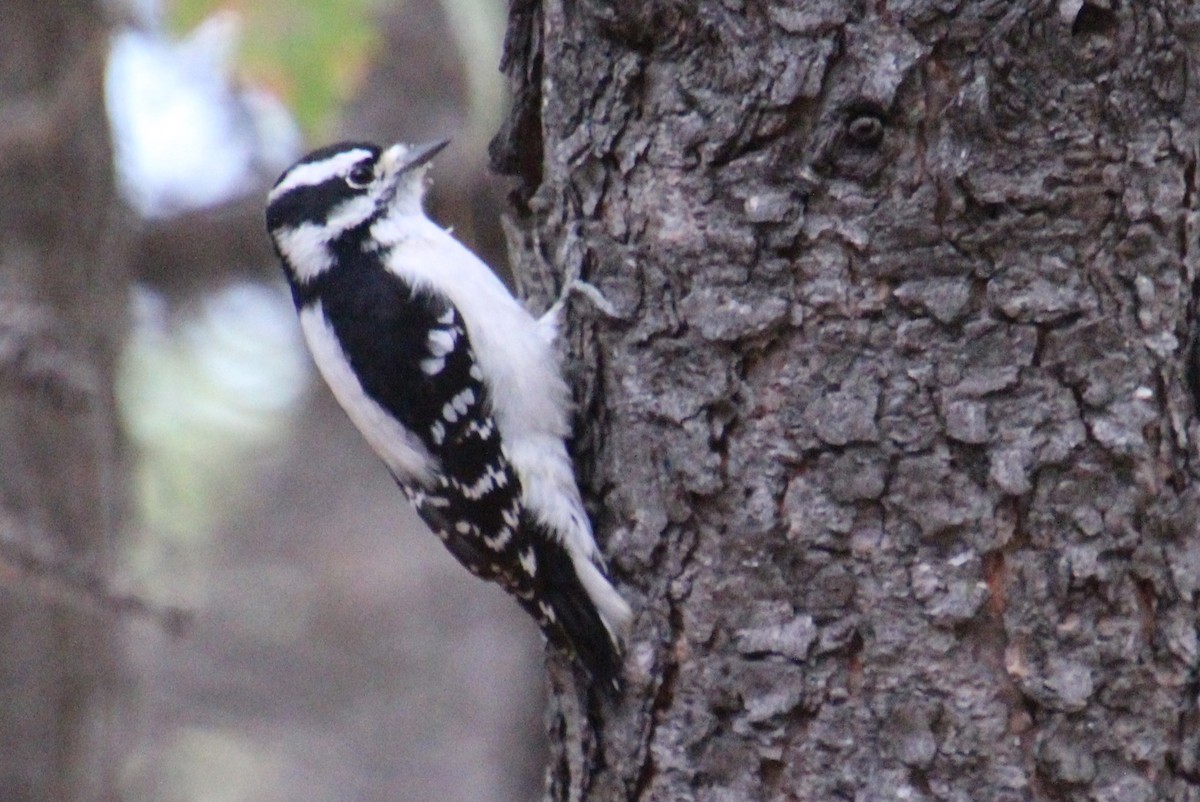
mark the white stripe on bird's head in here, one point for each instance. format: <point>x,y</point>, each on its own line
<point>309,174</point>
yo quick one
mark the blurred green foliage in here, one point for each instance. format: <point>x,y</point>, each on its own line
<point>311,53</point>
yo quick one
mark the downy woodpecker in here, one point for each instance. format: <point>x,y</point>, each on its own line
<point>450,380</point>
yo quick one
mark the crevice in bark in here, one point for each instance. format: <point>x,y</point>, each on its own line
<point>1095,19</point>
<point>664,697</point>
<point>518,148</point>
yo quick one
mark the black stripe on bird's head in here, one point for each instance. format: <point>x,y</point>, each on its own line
<point>338,189</point>
<point>311,189</point>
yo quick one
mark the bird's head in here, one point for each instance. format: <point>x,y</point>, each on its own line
<point>338,189</point>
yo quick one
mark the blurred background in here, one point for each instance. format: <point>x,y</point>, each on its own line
<point>332,650</point>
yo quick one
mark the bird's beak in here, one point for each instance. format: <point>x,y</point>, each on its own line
<point>401,158</point>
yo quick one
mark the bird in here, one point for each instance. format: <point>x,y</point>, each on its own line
<point>453,383</point>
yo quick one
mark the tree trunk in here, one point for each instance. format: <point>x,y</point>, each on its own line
<point>890,442</point>
<point>63,295</point>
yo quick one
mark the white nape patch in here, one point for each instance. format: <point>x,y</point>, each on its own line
<point>441,342</point>
<point>306,250</point>
<point>399,448</point>
<point>313,173</point>
<point>348,214</point>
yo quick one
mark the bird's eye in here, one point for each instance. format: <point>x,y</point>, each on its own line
<point>360,176</point>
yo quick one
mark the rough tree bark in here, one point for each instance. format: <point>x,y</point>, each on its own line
<point>891,442</point>
<point>63,296</point>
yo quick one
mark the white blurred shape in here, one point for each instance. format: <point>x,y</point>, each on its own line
<point>185,135</point>
<point>204,394</point>
<point>235,366</point>
<point>246,340</point>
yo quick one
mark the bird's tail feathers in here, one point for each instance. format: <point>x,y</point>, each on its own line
<point>589,618</point>
<point>614,610</point>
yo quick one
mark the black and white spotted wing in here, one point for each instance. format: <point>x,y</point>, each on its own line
<point>475,507</point>
<point>412,354</point>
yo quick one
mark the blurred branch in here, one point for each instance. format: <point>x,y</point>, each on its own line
<point>191,253</point>
<point>34,353</point>
<point>59,579</point>
<point>63,308</point>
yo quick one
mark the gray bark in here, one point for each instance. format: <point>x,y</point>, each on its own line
<point>62,306</point>
<point>891,442</point>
